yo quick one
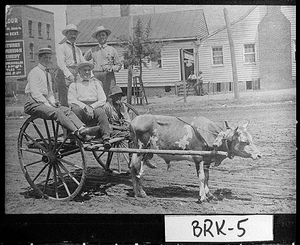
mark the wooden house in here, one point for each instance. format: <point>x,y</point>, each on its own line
<point>265,56</point>
<point>264,48</point>
<point>178,30</point>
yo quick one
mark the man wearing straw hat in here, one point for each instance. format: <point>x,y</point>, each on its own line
<point>41,102</point>
<point>105,59</point>
<point>68,56</point>
<point>86,98</point>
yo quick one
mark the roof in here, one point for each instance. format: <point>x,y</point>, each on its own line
<point>180,25</point>
<point>232,22</point>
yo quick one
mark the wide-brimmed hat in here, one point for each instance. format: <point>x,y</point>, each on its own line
<point>82,64</point>
<point>45,50</point>
<point>70,27</point>
<point>100,28</point>
<point>115,90</point>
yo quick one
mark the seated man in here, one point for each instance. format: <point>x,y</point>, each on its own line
<point>41,102</point>
<point>118,117</point>
<point>116,111</point>
<point>86,98</point>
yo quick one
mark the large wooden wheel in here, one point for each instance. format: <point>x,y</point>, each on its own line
<point>52,160</point>
<point>106,158</point>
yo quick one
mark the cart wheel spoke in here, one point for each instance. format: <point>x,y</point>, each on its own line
<point>39,173</point>
<point>70,163</point>
<point>68,172</point>
<point>47,178</point>
<point>63,180</point>
<point>53,165</point>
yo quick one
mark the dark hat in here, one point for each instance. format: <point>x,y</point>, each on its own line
<point>45,50</point>
<point>115,90</point>
<point>82,64</point>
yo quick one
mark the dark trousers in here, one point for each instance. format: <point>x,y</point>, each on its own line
<point>99,118</point>
<point>63,115</point>
<point>108,80</point>
<point>62,88</point>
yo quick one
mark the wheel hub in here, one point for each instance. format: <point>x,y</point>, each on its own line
<point>50,157</point>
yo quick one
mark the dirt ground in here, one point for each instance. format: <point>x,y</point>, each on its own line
<point>239,185</point>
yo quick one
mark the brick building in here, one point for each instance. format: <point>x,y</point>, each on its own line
<point>28,29</point>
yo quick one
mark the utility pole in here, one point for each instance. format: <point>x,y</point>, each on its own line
<point>232,55</point>
<point>183,74</point>
<point>129,83</point>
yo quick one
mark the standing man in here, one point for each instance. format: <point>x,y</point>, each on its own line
<point>41,102</point>
<point>86,98</point>
<point>68,56</point>
<point>105,59</point>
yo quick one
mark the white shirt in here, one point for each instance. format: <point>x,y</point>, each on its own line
<point>86,91</point>
<point>104,57</point>
<point>37,85</point>
<point>65,58</point>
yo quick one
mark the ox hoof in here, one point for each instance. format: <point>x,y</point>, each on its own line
<point>201,200</point>
<point>141,194</point>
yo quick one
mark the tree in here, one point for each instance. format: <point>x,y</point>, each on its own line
<point>139,48</point>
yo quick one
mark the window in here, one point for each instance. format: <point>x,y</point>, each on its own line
<point>30,28</point>
<point>294,52</point>
<point>31,51</point>
<point>40,29</point>
<point>217,55</point>
<point>48,31</point>
<point>249,85</point>
<point>249,53</point>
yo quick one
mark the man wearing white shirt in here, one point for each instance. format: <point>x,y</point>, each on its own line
<point>86,98</point>
<point>41,102</point>
<point>68,56</point>
<point>105,58</point>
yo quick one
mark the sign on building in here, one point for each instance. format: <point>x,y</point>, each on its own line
<point>14,58</point>
<point>13,24</point>
<point>14,45</point>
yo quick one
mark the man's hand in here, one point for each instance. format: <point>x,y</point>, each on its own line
<point>89,111</point>
<point>70,79</point>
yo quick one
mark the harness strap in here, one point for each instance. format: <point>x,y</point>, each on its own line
<point>198,135</point>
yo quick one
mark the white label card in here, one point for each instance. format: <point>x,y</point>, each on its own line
<point>218,228</point>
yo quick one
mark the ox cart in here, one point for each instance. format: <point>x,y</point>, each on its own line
<point>54,161</point>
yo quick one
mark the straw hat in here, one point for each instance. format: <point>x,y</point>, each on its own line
<point>44,50</point>
<point>115,90</point>
<point>82,64</point>
<point>101,28</point>
<point>70,27</point>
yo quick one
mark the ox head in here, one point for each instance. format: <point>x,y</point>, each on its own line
<point>238,142</point>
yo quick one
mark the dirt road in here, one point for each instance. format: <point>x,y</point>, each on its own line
<point>242,185</point>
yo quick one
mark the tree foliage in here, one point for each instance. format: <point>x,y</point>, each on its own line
<point>139,48</point>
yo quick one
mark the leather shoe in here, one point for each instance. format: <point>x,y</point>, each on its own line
<point>94,131</point>
<point>106,144</point>
<point>82,137</point>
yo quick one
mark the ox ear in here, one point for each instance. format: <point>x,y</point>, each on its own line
<point>226,125</point>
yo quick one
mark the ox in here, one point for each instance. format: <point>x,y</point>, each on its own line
<point>198,134</point>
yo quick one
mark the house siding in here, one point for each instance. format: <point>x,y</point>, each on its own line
<point>243,32</point>
<point>165,76</point>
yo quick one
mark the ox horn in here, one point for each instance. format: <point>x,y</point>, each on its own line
<point>246,124</point>
<point>226,125</point>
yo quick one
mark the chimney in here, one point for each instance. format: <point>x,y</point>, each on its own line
<point>125,10</point>
<point>275,55</point>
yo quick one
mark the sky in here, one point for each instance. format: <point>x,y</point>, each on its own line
<point>59,19</point>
